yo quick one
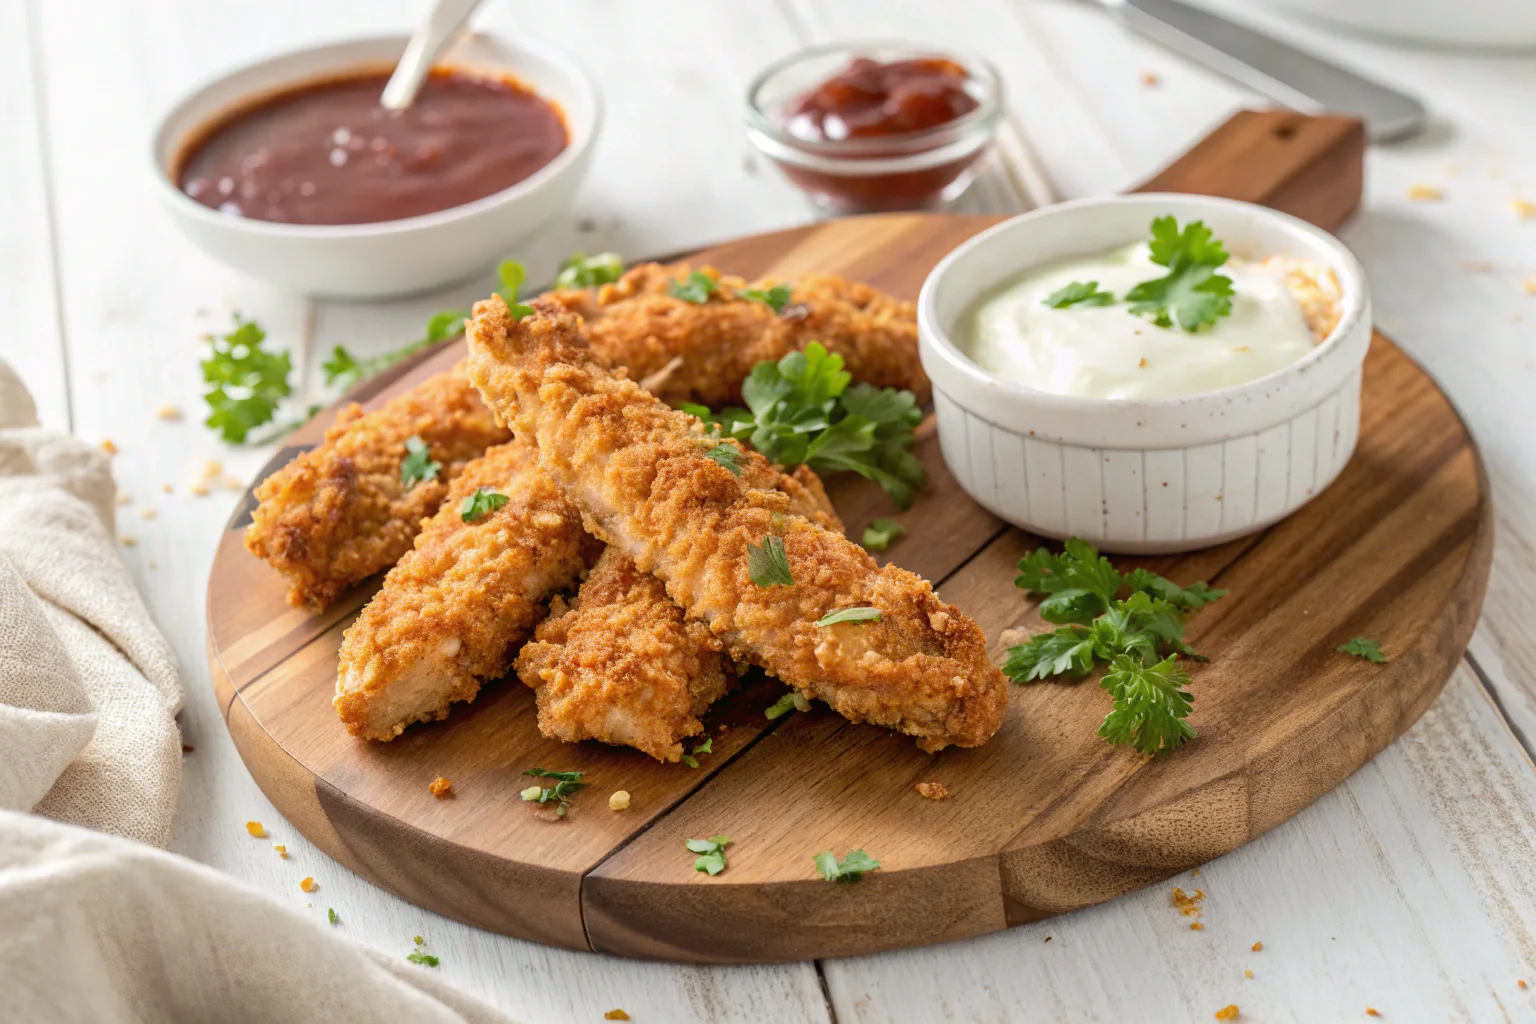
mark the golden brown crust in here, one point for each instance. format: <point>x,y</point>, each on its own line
<point>340,513</point>
<point>622,665</point>
<point>701,352</point>
<point>638,472</point>
<point>451,613</point>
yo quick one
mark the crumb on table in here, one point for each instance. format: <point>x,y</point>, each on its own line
<point>1257,946</point>
<point>1371,1011</point>
<point>1149,79</point>
<point>108,447</point>
<point>932,790</point>
<point>167,411</point>
<point>1196,926</point>
<point>440,787</point>
<point>280,850</point>
<point>255,829</point>
<point>1425,193</point>
<point>616,1014</point>
<point>308,885</point>
<point>200,490</point>
<point>1248,973</point>
<point>1524,208</point>
<point>1228,1012</point>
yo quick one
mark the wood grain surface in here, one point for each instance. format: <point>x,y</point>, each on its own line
<point>1043,819</point>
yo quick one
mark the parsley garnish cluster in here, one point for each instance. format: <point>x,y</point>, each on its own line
<point>696,288</point>
<point>846,869</point>
<point>775,298</point>
<point>1363,647</point>
<point>566,785</point>
<point>481,503</point>
<point>245,381</point>
<point>711,853</point>
<point>582,271</point>
<point>1139,636</point>
<point>418,464</point>
<point>804,409</point>
<point>707,747</point>
<point>1191,295</point>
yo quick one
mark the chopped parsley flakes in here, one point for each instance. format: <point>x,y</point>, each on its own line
<point>481,503</point>
<point>711,853</point>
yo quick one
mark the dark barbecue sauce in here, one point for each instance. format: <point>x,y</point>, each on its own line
<point>327,153</point>
<point>869,99</point>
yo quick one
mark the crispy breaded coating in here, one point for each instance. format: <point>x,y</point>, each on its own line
<point>620,664</point>
<point>701,352</point>
<point>644,484</point>
<point>340,512</point>
<point>451,613</point>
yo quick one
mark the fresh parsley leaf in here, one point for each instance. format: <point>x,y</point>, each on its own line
<point>707,747</point>
<point>566,785</point>
<point>783,706</point>
<point>1079,583</point>
<point>1191,598</point>
<point>727,455</point>
<point>769,565</point>
<point>582,271</point>
<point>245,381</point>
<point>416,956</point>
<point>481,503</point>
<point>1065,651</point>
<point>847,869</point>
<point>343,369</point>
<point>776,298</point>
<point>690,760</point>
<point>330,915</point>
<point>879,534</point>
<point>1151,703</point>
<point>512,274</point>
<point>849,615</point>
<point>697,287</point>
<point>804,409</point>
<point>417,464</point>
<point>1361,647</point>
<point>711,853</point>
<point>1078,293</point>
<point>1192,295</point>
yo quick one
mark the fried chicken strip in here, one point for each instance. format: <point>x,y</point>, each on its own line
<point>701,352</point>
<point>451,613</point>
<point>622,665</point>
<point>340,512</point>
<point>643,482</point>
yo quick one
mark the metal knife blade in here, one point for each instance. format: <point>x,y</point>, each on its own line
<point>1278,70</point>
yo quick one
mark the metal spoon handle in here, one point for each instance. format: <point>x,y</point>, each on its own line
<point>421,52</point>
<point>1279,71</point>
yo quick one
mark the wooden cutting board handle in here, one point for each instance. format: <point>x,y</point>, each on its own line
<point>1310,166</point>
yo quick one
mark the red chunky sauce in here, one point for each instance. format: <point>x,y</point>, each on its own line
<point>870,99</point>
<point>327,153</point>
<point>872,103</point>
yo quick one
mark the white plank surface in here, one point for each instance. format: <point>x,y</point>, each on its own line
<point>1411,888</point>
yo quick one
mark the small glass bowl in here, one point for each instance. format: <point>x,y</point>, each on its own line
<point>909,171</point>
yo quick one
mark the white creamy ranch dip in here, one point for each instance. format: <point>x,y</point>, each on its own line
<point>1281,309</point>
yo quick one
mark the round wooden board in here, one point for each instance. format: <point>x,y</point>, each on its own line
<point>1044,819</point>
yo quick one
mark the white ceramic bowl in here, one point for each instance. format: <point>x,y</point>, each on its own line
<point>1143,476</point>
<point>393,257</point>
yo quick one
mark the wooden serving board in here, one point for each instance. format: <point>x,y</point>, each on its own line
<point>1044,819</point>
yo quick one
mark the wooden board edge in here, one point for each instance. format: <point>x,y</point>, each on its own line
<point>1104,862</point>
<point>475,888</point>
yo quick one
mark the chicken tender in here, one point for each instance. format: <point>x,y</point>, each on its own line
<point>340,512</point>
<point>701,352</point>
<point>621,665</point>
<point>640,474</point>
<point>451,613</point>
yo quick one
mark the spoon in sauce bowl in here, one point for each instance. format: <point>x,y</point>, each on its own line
<point>434,35</point>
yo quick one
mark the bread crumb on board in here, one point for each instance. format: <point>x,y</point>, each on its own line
<point>619,801</point>
<point>440,787</point>
<point>1228,1012</point>
<point>932,790</point>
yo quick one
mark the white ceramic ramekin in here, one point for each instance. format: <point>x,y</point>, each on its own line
<point>1143,476</point>
<point>393,257</point>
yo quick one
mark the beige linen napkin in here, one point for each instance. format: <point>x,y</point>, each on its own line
<point>99,928</point>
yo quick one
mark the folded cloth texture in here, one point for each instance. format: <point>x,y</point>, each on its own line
<point>95,927</point>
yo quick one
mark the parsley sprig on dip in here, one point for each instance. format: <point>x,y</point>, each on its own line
<point>1172,315</point>
<point>1139,636</point>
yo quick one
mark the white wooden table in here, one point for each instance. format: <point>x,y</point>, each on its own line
<point>1411,888</point>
